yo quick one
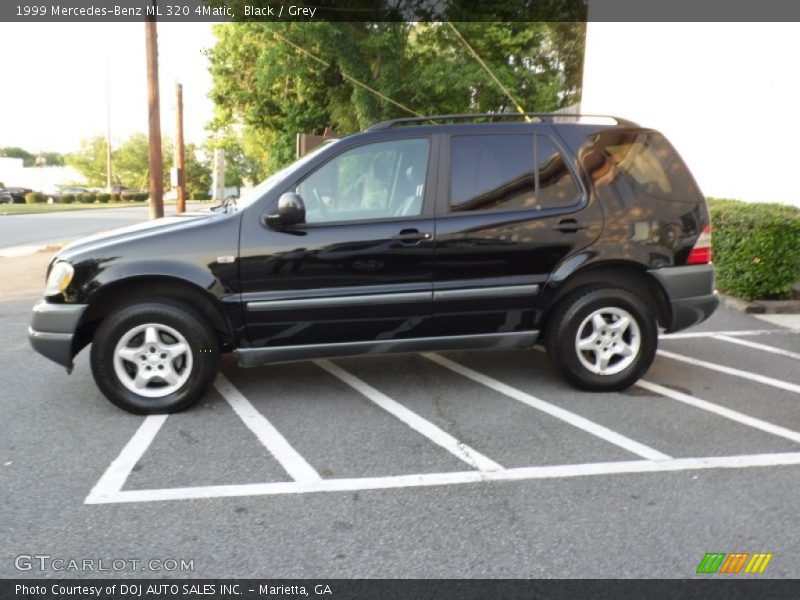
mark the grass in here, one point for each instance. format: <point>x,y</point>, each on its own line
<point>31,209</point>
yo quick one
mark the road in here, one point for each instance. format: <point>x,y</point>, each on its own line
<point>462,464</point>
<point>57,227</point>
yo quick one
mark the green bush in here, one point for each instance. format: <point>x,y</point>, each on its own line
<point>201,196</point>
<point>86,197</point>
<point>35,198</point>
<point>142,196</point>
<point>114,198</point>
<point>129,196</point>
<point>103,197</point>
<point>67,198</point>
<point>755,248</point>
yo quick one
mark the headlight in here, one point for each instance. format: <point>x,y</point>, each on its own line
<point>60,276</point>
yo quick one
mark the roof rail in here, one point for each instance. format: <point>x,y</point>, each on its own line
<point>542,117</point>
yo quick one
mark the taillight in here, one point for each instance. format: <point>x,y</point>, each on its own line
<point>701,251</point>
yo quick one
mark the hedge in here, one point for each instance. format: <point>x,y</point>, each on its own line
<point>103,197</point>
<point>67,199</point>
<point>201,196</point>
<point>115,198</point>
<point>756,248</point>
<point>35,198</point>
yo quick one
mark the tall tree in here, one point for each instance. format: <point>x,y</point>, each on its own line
<point>274,80</point>
<point>90,160</point>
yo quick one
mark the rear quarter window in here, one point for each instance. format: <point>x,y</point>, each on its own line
<point>633,165</point>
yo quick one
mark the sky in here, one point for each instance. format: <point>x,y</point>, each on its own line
<point>53,78</point>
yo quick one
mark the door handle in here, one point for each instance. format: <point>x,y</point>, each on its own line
<point>570,225</point>
<point>411,236</point>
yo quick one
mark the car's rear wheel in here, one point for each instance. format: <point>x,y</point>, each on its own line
<point>602,338</point>
<point>154,357</point>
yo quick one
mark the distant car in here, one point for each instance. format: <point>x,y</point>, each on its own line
<point>121,189</point>
<point>15,195</point>
<point>72,190</point>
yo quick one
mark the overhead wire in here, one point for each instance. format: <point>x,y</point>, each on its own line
<point>489,71</point>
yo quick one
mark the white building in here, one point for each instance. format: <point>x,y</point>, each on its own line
<point>40,179</point>
<point>725,94</point>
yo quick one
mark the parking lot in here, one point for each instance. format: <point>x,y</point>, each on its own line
<point>463,464</point>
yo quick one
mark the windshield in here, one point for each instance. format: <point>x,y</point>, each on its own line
<point>258,191</point>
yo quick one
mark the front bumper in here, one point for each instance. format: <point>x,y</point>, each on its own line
<point>690,291</point>
<point>53,329</point>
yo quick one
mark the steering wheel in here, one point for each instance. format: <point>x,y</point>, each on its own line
<point>320,205</point>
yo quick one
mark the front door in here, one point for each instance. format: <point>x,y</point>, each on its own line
<point>361,267</point>
<point>510,210</point>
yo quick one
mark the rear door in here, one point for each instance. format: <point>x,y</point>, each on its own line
<point>510,208</point>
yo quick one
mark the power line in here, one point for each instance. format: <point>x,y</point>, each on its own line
<point>489,71</point>
<point>346,76</point>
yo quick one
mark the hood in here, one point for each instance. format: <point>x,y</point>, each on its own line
<point>140,230</point>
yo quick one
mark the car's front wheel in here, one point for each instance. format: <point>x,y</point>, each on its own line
<point>154,357</point>
<point>602,338</point>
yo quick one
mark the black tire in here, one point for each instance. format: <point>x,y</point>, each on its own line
<point>571,312</point>
<point>203,346</point>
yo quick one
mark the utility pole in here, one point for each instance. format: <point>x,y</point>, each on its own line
<point>108,128</point>
<point>154,113</point>
<point>180,152</point>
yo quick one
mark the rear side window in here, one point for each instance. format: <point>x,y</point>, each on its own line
<point>634,164</point>
<point>508,172</point>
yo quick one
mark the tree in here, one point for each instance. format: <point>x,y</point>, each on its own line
<point>198,173</point>
<point>267,84</point>
<point>132,161</point>
<point>90,160</point>
<point>52,159</point>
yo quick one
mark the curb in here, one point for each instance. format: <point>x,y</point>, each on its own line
<point>762,307</point>
<point>27,250</point>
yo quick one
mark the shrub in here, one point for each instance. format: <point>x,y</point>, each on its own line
<point>201,196</point>
<point>35,198</point>
<point>87,197</point>
<point>756,248</point>
<point>114,198</point>
<point>103,197</point>
<point>67,198</point>
<point>142,196</point>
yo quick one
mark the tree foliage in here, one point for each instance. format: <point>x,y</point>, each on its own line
<point>269,88</point>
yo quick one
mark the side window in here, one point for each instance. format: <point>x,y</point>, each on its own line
<point>491,172</point>
<point>502,172</point>
<point>374,181</point>
<point>557,185</point>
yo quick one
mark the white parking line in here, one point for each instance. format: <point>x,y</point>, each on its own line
<point>551,409</point>
<point>778,383</point>
<point>757,346</point>
<point>291,461</point>
<point>733,415</point>
<point>114,478</point>
<point>459,477</point>
<point>419,424</point>
<point>703,334</point>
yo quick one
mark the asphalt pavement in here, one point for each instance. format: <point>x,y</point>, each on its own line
<point>57,227</point>
<point>464,464</point>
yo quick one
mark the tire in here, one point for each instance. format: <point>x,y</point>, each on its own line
<point>139,365</point>
<point>602,357</point>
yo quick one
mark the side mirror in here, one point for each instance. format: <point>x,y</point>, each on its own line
<point>291,211</point>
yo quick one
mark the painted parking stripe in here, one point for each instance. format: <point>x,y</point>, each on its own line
<point>114,478</point>
<point>291,460</point>
<point>419,424</point>
<point>757,346</point>
<point>778,383</point>
<point>451,478</point>
<point>704,334</point>
<point>733,415</point>
<point>551,409</point>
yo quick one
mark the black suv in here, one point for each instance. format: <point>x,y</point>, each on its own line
<point>449,232</point>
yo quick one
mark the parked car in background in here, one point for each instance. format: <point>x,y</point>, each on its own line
<point>14,195</point>
<point>404,238</point>
<point>121,189</point>
<point>55,196</point>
